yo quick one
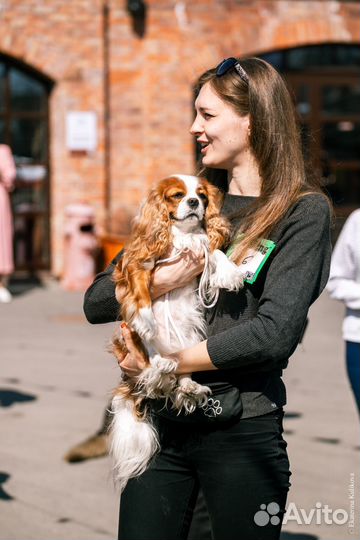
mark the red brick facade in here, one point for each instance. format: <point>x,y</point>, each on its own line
<point>150,81</point>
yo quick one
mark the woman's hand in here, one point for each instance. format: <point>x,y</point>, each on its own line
<point>195,358</point>
<point>180,272</point>
<point>136,358</point>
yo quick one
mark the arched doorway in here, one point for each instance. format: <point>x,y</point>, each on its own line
<point>24,126</point>
<point>325,80</point>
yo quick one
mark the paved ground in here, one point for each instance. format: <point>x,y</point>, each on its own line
<point>54,381</point>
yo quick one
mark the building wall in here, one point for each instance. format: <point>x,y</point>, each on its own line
<point>63,40</point>
<point>151,80</point>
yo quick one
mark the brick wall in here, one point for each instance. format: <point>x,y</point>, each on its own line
<point>63,40</point>
<point>151,80</point>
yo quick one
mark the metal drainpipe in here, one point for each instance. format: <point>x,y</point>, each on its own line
<point>107,136</point>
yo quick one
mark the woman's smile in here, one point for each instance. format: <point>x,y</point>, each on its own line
<point>204,147</point>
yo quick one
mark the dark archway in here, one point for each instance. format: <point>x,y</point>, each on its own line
<point>325,80</point>
<point>24,126</point>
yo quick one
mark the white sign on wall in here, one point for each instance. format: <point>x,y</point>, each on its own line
<point>81,131</point>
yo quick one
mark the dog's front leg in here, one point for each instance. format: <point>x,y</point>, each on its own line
<point>159,379</point>
<point>224,273</point>
<point>189,395</point>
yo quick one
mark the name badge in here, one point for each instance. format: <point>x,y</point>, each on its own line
<point>255,259</point>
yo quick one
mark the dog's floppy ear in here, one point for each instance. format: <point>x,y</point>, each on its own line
<point>215,200</point>
<point>152,228</point>
<point>217,227</point>
<point>150,240</point>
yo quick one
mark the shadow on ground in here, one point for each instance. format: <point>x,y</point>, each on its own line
<point>21,284</point>
<point>297,536</point>
<point>3,495</point>
<point>292,414</point>
<point>9,397</point>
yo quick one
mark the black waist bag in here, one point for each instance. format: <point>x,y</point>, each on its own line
<point>224,404</point>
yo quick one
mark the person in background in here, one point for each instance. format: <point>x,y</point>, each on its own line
<point>344,285</point>
<point>7,179</point>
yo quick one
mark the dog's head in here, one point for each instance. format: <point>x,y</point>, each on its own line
<point>188,200</point>
<point>181,200</point>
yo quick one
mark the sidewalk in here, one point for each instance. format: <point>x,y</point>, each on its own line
<point>54,383</point>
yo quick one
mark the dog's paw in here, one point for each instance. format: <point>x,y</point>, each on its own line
<point>159,379</point>
<point>144,324</point>
<point>164,365</point>
<point>152,387</point>
<point>224,273</point>
<point>189,395</point>
<point>232,279</point>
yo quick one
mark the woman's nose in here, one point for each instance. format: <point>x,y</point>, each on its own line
<point>196,128</point>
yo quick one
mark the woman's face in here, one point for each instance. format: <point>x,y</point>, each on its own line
<point>222,134</point>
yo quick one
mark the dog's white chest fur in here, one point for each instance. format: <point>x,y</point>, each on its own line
<point>175,321</point>
<point>179,320</point>
<point>179,314</point>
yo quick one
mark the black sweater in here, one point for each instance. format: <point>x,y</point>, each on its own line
<point>252,334</point>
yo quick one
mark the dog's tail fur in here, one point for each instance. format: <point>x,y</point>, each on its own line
<point>133,440</point>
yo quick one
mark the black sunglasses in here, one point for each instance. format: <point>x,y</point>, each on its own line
<point>230,63</point>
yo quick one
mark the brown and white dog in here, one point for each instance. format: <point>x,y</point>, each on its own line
<point>182,213</point>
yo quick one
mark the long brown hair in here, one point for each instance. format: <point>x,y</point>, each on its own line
<point>275,143</point>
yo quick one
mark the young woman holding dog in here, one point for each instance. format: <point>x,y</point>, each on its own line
<point>246,126</point>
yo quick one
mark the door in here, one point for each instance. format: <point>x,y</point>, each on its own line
<point>24,126</point>
<point>329,107</point>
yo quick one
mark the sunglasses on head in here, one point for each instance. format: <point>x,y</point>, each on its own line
<point>230,63</point>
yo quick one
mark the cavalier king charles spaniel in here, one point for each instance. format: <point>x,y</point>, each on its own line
<point>182,213</point>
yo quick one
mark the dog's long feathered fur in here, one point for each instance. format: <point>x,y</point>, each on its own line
<point>133,438</point>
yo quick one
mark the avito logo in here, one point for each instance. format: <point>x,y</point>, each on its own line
<point>268,514</point>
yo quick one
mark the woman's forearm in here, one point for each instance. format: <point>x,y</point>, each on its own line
<point>100,305</point>
<point>195,358</point>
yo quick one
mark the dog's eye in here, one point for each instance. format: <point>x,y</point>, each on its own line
<point>178,195</point>
<point>203,196</point>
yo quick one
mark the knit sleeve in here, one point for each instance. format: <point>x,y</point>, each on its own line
<point>100,304</point>
<point>296,275</point>
<point>343,284</point>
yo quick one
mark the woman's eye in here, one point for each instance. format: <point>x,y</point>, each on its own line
<point>208,115</point>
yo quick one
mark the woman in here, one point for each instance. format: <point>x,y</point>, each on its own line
<point>344,285</point>
<point>246,126</point>
<point>7,179</point>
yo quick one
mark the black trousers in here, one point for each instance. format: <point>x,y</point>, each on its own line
<point>241,467</point>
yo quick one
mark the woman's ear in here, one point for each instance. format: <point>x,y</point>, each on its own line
<point>246,124</point>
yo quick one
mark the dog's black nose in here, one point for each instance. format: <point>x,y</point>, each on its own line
<point>193,203</point>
